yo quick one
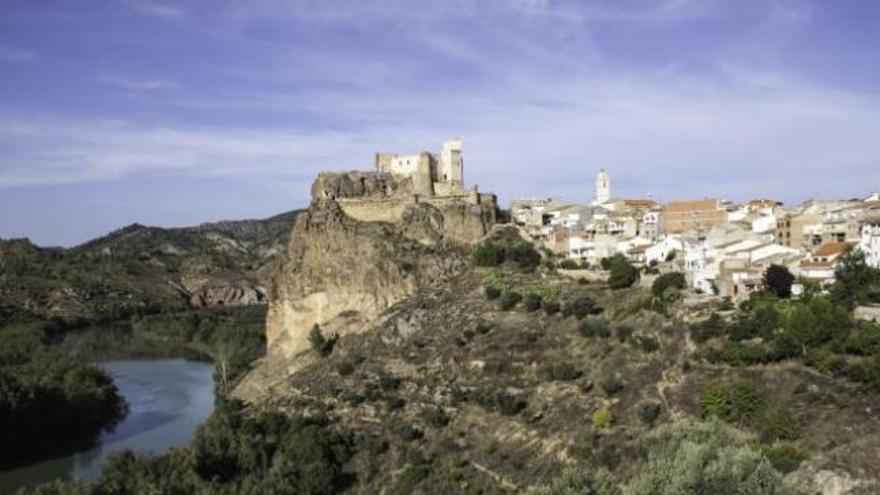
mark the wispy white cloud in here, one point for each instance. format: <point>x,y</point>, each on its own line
<point>167,11</point>
<point>137,85</point>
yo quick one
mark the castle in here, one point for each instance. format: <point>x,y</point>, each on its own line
<point>431,175</point>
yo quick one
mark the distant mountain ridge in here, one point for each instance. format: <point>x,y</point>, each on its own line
<point>140,269</point>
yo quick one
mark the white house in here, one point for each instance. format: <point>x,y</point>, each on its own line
<point>870,241</point>
<point>659,251</point>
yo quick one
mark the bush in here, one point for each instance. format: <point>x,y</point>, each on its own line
<point>569,265</point>
<point>645,343</point>
<point>502,401</point>
<point>602,419</point>
<point>649,412</point>
<point>562,372</point>
<point>699,458</point>
<point>509,300</point>
<point>864,340</point>
<point>492,293</point>
<point>319,343</point>
<point>713,326</point>
<point>622,273</point>
<point>408,479</point>
<point>777,423</point>
<point>594,327</point>
<point>777,280</point>
<point>489,253</point>
<point>532,302</point>
<point>581,307</point>
<point>523,254</point>
<point>785,457</point>
<point>623,333</point>
<point>551,306</point>
<point>406,432</point>
<point>435,417</point>
<point>737,401</point>
<point>576,481</point>
<point>666,281</point>
<point>611,385</point>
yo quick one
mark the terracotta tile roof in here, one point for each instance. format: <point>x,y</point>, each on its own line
<point>832,249</point>
<point>692,205</point>
<point>640,203</point>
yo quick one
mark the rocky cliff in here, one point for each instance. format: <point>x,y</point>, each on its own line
<point>365,243</point>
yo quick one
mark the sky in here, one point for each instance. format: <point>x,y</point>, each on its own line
<point>177,112</point>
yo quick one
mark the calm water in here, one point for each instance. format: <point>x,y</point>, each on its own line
<point>168,399</point>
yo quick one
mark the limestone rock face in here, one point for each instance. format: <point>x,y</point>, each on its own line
<point>342,272</point>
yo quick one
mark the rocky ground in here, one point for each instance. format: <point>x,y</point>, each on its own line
<point>450,394</point>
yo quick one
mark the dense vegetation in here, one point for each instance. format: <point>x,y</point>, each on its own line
<point>53,402</point>
<point>50,403</point>
<point>815,328</point>
<point>235,452</point>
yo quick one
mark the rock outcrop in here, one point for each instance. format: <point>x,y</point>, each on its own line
<point>366,243</point>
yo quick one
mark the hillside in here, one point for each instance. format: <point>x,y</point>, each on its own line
<point>139,269</point>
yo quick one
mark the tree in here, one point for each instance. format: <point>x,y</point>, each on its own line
<point>855,281</point>
<point>675,280</point>
<point>778,280</point>
<point>622,273</point>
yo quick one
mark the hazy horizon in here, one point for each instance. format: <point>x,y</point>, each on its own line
<point>174,114</point>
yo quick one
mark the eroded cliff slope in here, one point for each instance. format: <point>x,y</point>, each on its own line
<point>365,243</point>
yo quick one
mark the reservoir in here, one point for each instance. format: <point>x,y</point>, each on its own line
<point>168,399</point>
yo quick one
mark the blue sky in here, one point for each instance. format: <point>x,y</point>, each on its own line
<point>177,112</point>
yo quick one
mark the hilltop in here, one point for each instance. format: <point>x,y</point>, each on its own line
<point>139,269</point>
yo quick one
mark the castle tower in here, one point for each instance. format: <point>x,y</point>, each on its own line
<point>603,187</point>
<point>451,163</point>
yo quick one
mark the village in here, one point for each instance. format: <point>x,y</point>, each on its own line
<point>722,247</point>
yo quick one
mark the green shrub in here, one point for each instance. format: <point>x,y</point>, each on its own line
<point>523,254</point>
<point>864,340</point>
<point>434,416</point>
<point>785,457</point>
<point>562,371</point>
<point>502,401</point>
<point>492,293</point>
<point>777,423</point>
<point>319,343</point>
<point>611,384</point>
<point>737,401</point>
<point>489,253</point>
<point>388,382</point>
<point>394,402</point>
<point>581,307</point>
<point>645,343</point>
<point>649,412</point>
<point>568,265</point>
<point>551,306</point>
<point>532,302</point>
<point>623,333</point>
<point>408,479</point>
<point>594,327</point>
<point>622,273</point>
<point>576,481</point>
<point>713,326</point>
<point>666,281</point>
<point>698,458</point>
<point>406,432</point>
<point>602,419</point>
<point>509,300</point>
